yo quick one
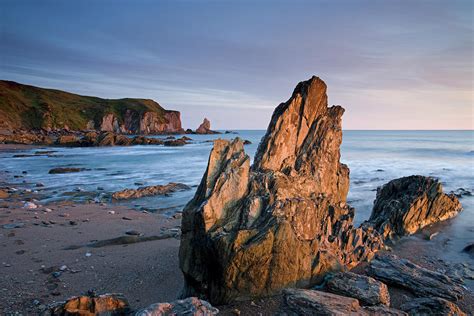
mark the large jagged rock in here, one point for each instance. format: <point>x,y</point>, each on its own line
<point>418,280</point>
<point>432,306</point>
<point>366,289</point>
<point>251,232</point>
<point>405,205</point>
<point>191,306</point>
<point>205,128</point>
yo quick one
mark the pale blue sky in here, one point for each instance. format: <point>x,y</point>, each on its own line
<point>391,64</point>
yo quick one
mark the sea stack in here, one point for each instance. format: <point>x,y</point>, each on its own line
<point>205,128</point>
<point>284,222</point>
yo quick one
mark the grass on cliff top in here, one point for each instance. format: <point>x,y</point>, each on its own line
<point>29,107</point>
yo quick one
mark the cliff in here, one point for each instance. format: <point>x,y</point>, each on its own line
<point>30,108</point>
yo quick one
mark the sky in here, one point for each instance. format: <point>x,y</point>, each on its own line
<point>391,64</point>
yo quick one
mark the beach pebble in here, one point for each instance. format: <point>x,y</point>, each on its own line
<point>111,212</point>
<point>48,210</point>
<point>126,218</point>
<point>30,205</point>
<point>133,232</point>
<point>39,185</point>
<point>13,225</point>
<point>88,254</point>
<point>63,267</point>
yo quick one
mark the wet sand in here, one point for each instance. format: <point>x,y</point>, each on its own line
<point>33,256</point>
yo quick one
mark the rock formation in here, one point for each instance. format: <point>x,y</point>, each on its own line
<point>405,205</point>
<point>284,222</point>
<point>149,191</point>
<point>432,306</point>
<point>107,304</point>
<point>205,128</point>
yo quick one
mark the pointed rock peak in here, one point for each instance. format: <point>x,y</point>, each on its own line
<point>291,123</point>
<point>205,127</point>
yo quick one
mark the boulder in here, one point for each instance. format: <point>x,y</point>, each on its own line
<point>405,205</point>
<point>149,191</point>
<point>284,222</point>
<point>176,142</point>
<point>431,306</point>
<point>91,305</point>
<point>418,280</point>
<point>469,249</point>
<point>191,306</point>
<point>366,289</point>
<point>67,140</point>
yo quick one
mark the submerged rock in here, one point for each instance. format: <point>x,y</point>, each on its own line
<point>190,306</point>
<point>149,191</point>
<point>252,231</point>
<point>431,306</point>
<point>91,305</point>
<point>418,280</point>
<point>366,289</point>
<point>65,170</point>
<point>405,205</point>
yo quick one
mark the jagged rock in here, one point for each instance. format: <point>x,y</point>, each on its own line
<point>250,232</point>
<point>90,305</point>
<point>65,170</point>
<point>420,281</point>
<point>189,307</point>
<point>149,191</point>
<point>366,289</point>
<point>431,306</point>
<point>469,249</point>
<point>405,205</point>
<point>383,310</point>
<point>67,140</point>
<point>176,142</point>
<point>205,128</point>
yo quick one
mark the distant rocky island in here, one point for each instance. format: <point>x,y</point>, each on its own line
<point>33,115</point>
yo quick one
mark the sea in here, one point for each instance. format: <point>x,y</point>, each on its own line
<point>374,158</point>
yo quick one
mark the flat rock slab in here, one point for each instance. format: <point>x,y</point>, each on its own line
<point>420,281</point>
<point>366,289</point>
<point>432,306</point>
<point>312,302</point>
<point>189,306</point>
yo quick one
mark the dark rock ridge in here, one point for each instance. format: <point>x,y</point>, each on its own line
<point>250,232</point>
<point>24,107</point>
<point>432,306</point>
<point>420,281</point>
<point>405,205</point>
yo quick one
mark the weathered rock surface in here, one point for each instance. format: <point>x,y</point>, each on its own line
<point>405,205</point>
<point>191,306</point>
<point>418,280</point>
<point>366,289</point>
<point>205,128</point>
<point>102,305</point>
<point>310,302</point>
<point>149,191</point>
<point>431,306</point>
<point>250,232</point>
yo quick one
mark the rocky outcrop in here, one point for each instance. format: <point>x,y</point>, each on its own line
<point>91,305</point>
<point>405,205</point>
<point>366,289</point>
<point>310,302</point>
<point>420,281</point>
<point>252,231</point>
<point>65,170</point>
<point>191,306</point>
<point>149,191</point>
<point>431,306</point>
<point>205,128</point>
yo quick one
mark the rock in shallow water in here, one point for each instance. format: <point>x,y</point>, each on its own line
<point>420,281</point>
<point>405,205</point>
<point>191,306</point>
<point>366,289</point>
<point>149,191</point>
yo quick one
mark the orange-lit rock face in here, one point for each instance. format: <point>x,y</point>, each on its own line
<point>251,231</point>
<point>107,304</point>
